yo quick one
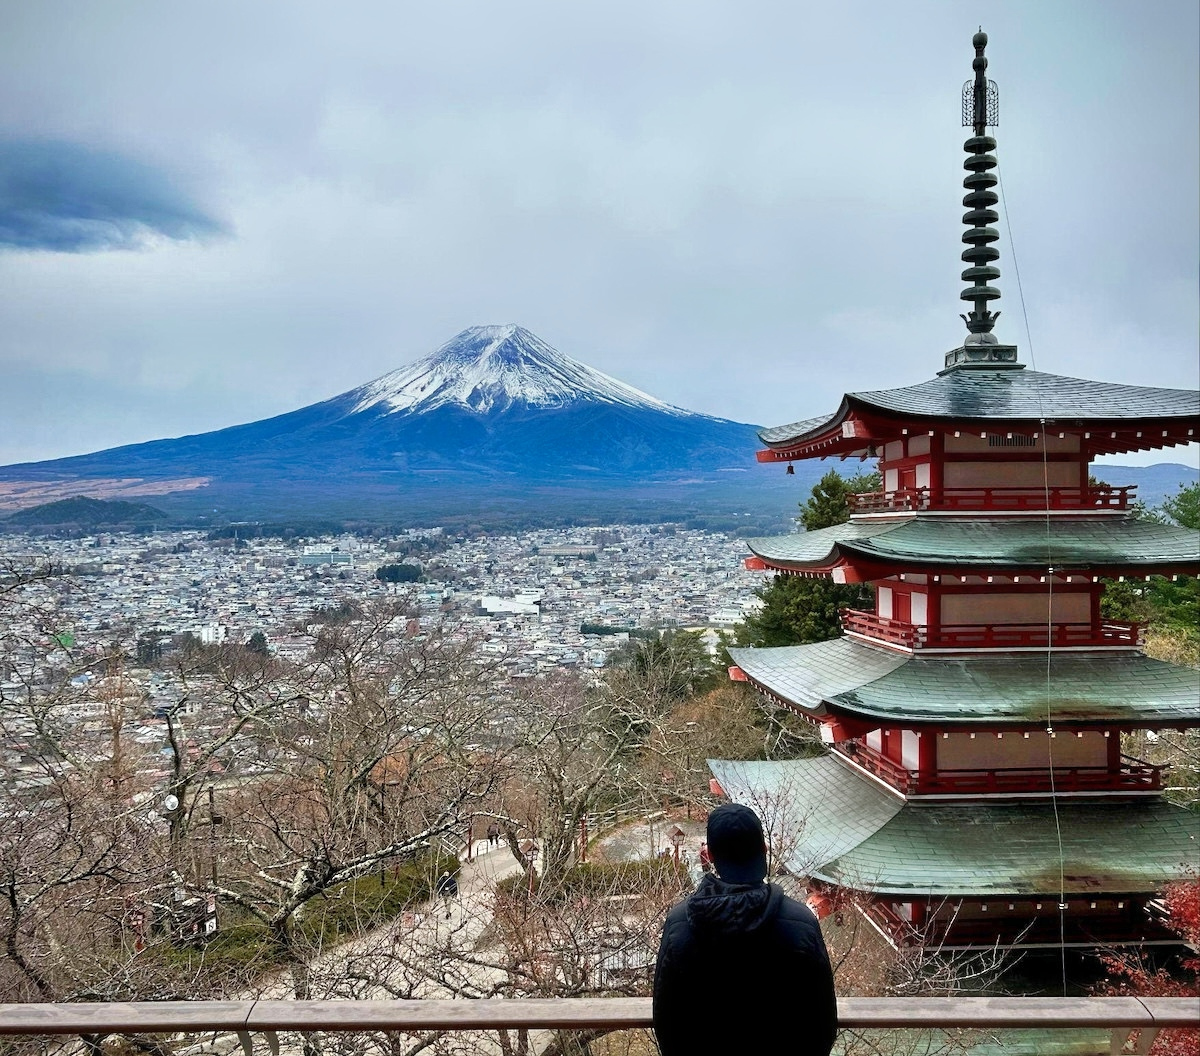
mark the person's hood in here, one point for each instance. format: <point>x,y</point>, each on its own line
<point>720,907</point>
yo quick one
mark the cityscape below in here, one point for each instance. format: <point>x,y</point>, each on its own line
<point>537,600</point>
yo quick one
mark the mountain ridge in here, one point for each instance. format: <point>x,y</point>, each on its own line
<point>490,413</point>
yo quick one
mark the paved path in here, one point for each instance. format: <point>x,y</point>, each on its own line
<point>469,916</point>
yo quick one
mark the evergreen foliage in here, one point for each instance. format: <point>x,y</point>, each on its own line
<point>829,503</point>
<point>1184,507</point>
<point>258,644</point>
<point>1166,604</point>
<point>797,609</point>
<point>398,573</point>
<point>89,512</point>
<point>675,664</point>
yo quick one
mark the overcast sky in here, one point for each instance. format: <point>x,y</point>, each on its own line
<point>211,213</point>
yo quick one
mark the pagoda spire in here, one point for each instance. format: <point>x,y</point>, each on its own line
<point>980,108</point>
<point>980,198</point>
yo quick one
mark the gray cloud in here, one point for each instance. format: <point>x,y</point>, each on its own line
<point>744,207</point>
<point>69,198</point>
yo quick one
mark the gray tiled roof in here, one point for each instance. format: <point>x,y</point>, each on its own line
<point>810,674</point>
<point>827,821</point>
<point>780,433</point>
<point>1008,395</point>
<point>817,547</point>
<point>814,810</point>
<point>1028,394</point>
<point>880,685</point>
<point>991,542</point>
<point>1077,541</point>
<point>1013,849</point>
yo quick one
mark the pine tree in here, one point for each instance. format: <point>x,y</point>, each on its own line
<point>797,609</point>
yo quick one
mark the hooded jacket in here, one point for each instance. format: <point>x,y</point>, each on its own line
<point>741,970</point>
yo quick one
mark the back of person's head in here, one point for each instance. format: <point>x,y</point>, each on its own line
<point>736,844</point>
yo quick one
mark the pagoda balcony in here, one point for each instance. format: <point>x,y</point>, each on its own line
<point>1026,929</point>
<point>1134,775</point>
<point>993,500</point>
<point>1110,633</point>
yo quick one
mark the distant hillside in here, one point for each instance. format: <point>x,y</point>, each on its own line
<point>89,513</point>
<point>1154,483</point>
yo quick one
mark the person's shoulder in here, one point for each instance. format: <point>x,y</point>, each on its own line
<point>796,912</point>
<point>676,917</point>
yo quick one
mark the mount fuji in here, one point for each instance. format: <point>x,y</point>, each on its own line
<point>495,418</point>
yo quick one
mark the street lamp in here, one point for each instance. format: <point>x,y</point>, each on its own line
<point>689,729</point>
<point>677,837</point>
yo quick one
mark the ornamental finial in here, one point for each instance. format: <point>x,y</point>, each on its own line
<point>980,108</point>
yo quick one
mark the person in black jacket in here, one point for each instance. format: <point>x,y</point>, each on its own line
<point>447,887</point>
<point>742,968</point>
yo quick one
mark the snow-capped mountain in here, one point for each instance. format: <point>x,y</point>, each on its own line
<point>494,415</point>
<point>490,368</point>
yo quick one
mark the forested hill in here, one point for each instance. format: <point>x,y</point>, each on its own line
<point>87,512</point>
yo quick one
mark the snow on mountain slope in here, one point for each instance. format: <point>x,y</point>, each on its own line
<point>491,368</point>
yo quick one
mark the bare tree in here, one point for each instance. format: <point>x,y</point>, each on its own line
<point>372,756</point>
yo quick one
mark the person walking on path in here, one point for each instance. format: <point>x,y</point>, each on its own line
<point>740,964</point>
<point>493,834</point>
<point>447,887</point>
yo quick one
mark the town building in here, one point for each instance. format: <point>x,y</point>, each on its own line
<point>975,792</point>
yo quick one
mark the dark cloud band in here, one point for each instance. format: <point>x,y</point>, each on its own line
<point>67,198</point>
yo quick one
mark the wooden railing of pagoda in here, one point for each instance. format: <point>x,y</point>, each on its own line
<point>1024,924</point>
<point>1121,1017</point>
<point>1000,500</point>
<point>1114,633</point>
<point>1133,775</point>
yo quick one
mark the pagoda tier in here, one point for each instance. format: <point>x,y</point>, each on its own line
<point>864,686</point>
<point>867,549</point>
<point>1021,874</point>
<point>998,725</point>
<point>984,582</point>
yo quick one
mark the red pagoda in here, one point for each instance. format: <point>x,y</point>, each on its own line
<point>975,792</point>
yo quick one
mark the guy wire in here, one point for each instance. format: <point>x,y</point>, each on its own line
<point>1062,896</point>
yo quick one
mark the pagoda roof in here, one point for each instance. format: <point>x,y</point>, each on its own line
<point>1005,395</point>
<point>935,542</point>
<point>886,687</point>
<point>835,825</point>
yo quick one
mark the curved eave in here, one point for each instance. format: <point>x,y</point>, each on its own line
<point>864,564</point>
<point>851,432</point>
<point>1031,850</point>
<point>865,420</point>
<point>863,687</point>
<point>815,553</point>
<point>1099,545</point>
<point>844,829</point>
<point>866,549</point>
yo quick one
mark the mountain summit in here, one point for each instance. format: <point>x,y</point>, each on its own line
<point>492,368</point>
<point>495,418</point>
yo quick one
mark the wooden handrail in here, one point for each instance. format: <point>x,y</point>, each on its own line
<point>617,1013</point>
